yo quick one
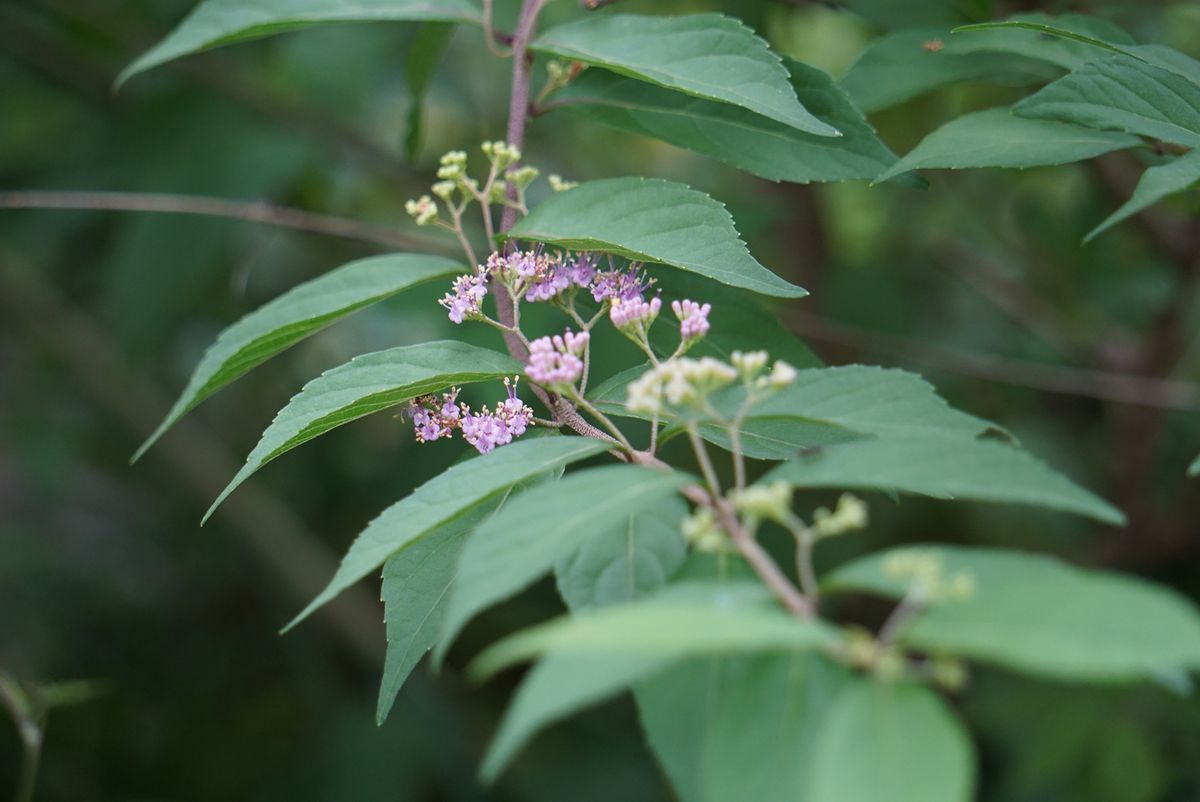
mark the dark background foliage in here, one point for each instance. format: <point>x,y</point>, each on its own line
<point>1087,353</point>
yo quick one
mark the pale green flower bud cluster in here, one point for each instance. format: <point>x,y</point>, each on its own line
<point>771,502</point>
<point>849,515</point>
<point>679,382</point>
<point>930,580</point>
<point>702,531</point>
<point>559,184</point>
<point>424,210</point>
<point>501,154</point>
<point>750,366</point>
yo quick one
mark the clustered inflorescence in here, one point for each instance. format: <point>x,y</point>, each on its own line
<point>485,429</point>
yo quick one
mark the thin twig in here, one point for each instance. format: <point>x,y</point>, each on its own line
<point>1122,388</point>
<point>249,211</point>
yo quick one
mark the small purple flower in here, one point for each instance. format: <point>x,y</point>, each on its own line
<point>556,360</point>
<point>546,287</point>
<point>582,269</point>
<point>612,284</point>
<point>693,318</point>
<point>466,299</point>
<point>433,420</point>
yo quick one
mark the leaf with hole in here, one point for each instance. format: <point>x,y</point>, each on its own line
<point>944,468</point>
<point>367,384</point>
<point>907,63</point>
<point>1036,614</point>
<point>709,56</point>
<point>298,313</point>
<point>214,23</point>
<point>447,496</point>
<point>651,220</point>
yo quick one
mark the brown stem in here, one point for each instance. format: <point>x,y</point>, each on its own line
<point>250,211</point>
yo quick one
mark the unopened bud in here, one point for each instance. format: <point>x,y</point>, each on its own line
<point>522,177</point>
<point>444,189</point>
<point>558,184</point>
<point>771,502</point>
<point>749,363</point>
<point>850,515</point>
<point>424,210</point>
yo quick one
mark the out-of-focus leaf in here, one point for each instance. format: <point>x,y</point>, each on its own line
<point>895,742</point>
<point>684,620</point>
<point>213,23</point>
<point>298,313</point>
<point>1156,183</point>
<point>998,138</point>
<point>705,55</point>
<point>738,137</point>
<point>1121,93</point>
<point>753,735</point>
<point>367,384</point>
<point>1070,40</point>
<point>447,496</point>
<point>1194,468</point>
<point>944,468</point>
<point>544,525</point>
<point>907,63</point>
<point>653,221</point>
<point>416,584</point>
<point>633,557</point>
<point>425,53</point>
<point>1036,614</point>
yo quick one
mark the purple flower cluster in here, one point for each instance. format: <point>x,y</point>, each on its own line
<point>627,312</point>
<point>609,285</point>
<point>466,300</point>
<point>433,419</point>
<point>693,318</point>
<point>556,361</point>
<point>538,276</point>
<point>485,429</point>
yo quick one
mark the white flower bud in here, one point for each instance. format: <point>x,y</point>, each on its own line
<point>558,184</point>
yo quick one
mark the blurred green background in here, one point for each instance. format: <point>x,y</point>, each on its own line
<point>1089,354</point>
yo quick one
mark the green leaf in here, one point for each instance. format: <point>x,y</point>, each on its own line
<point>367,384</point>
<point>633,642</point>
<point>1156,183</point>
<point>824,406</point>
<point>1121,93</point>
<point>544,525</point>
<point>998,138</point>
<point>1055,39</point>
<point>213,23</point>
<point>298,313</point>
<point>631,558</point>
<point>426,52</point>
<point>416,584</point>
<point>735,136</point>
<point>1036,614</point>
<point>890,743</point>
<point>733,728</point>
<point>652,221</point>
<point>684,620</point>
<point>902,65</point>
<point>1194,468</point>
<point>944,468</point>
<point>705,55</point>
<point>446,497</point>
